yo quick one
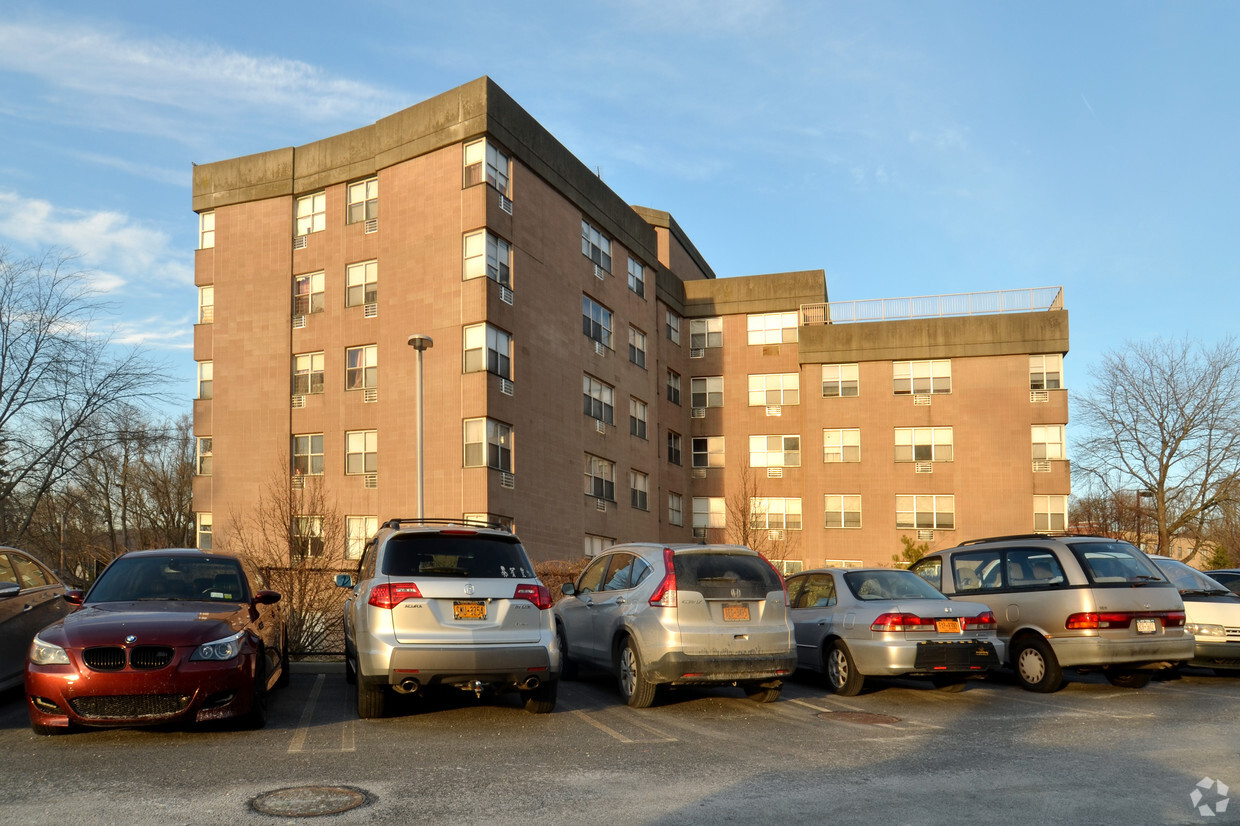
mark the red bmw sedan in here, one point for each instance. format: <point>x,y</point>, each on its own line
<point>169,636</point>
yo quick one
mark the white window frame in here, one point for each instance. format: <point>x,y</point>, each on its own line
<point>637,277</point>
<point>308,372</point>
<point>1048,441</point>
<point>841,445</point>
<point>206,379</point>
<point>777,450</point>
<point>924,444</point>
<point>675,509</point>
<point>786,386</point>
<point>921,378</point>
<point>671,323</point>
<point>911,508</point>
<point>841,381</point>
<point>772,328</point>
<point>485,253</point>
<point>710,512</point>
<point>309,294</point>
<point>596,321</point>
<point>637,347</point>
<point>206,304</point>
<point>707,451</point>
<point>361,283</point>
<point>775,513</point>
<point>842,511</point>
<point>675,448</point>
<point>639,417</point>
<point>706,391</point>
<point>206,230</point>
<point>308,529</point>
<point>203,526</point>
<point>639,490</point>
<point>490,438</point>
<point>361,452</point>
<point>203,456</point>
<point>362,200</point>
<point>1046,371</point>
<point>307,454</point>
<point>705,333</point>
<point>484,153</point>
<point>600,477</point>
<point>598,399</point>
<point>487,349</point>
<point>361,367</point>
<point>595,245</point>
<point>595,544</point>
<point>357,532</point>
<point>673,386</point>
<point>310,213</point>
<point>1050,513</point>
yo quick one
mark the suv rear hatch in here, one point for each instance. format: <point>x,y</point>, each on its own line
<point>1132,599</point>
<point>729,603</point>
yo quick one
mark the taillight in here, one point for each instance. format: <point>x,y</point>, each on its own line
<point>1103,619</point>
<point>665,594</point>
<point>391,594</point>
<point>778,576</point>
<point>984,621</point>
<point>901,622</point>
<point>540,595</point>
<point>1174,619</point>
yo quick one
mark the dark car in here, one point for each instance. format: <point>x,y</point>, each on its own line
<point>169,636</point>
<point>1228,576</point>
<point>31,597</point>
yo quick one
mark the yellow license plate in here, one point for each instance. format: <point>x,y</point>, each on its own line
<point>947,626</point>
<point>736,612</point>
<point>469,610</point>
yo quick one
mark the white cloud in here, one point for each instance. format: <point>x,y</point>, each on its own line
<point>156,332</point>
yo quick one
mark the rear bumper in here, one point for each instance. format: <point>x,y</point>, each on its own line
<point>697,669</point>
<point>887,658</point>
<point>1098,651</point>
<point>450,665</point>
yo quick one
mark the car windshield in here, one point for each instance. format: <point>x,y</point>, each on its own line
<point>1188,579</point>
<point>725,574</point>
<point>456,555</point>
<point>871,585</point>
<point>129,579</point>
<point>1116,562</point>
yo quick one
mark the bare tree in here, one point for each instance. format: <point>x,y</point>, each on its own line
<point>1163,417</point>
<point>748,519</point>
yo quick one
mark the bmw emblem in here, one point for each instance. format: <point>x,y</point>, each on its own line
<point>131,639</point>
<point>469,589</point>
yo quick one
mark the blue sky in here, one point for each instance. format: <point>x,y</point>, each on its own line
<point>906,148</point>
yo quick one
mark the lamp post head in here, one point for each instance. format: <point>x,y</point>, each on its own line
<point>420,342</point>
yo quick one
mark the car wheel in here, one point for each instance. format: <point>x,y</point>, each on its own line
<point>637,691</point>
<point>541,700</point>
<point>1036,666</point>
<point>842,674</point>
<point>762,692</point>
<point>371,701</point>
<point>286,671</point>
<point>568,666</point>
<point>256,718</point>
<point>947,682</point>
<point>1127,678</point>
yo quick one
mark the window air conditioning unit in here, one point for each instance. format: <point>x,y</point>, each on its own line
<point>600,425</point>
<point>505,295</point>
<point>1041,466</point>
<point>370,395</point>
<point>372,225</point>
<point>921,400</point>
<point>698,413</point>
<point>298,400</point>
<point>1039,396</point>
<point>599,349</point>
<point>697,353</point>
<point>299,243</point>
<point>923,467</point>
<point>599,272</point>
<point>600,504</point>
<point>299,321</point>
<point>699,533</point>
<point>370,481</point>
<point>925,536</point>
<point>699,473</point>
<point>775,473</point>
<point>505,387</point>
<point>774,410</point>
<point>298,483</point>
<point>505,204</point>
<point>507,480</point>
<point>775,536</point>
<point>370,310</point>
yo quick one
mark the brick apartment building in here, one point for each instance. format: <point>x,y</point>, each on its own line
<point>590,380</point>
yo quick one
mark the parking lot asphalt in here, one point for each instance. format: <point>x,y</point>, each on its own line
<point>901,752</point>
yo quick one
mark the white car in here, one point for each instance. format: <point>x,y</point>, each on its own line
<point>1212,612</point>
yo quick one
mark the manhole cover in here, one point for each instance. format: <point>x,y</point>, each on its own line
<point>864,717</point>
<point>308,801</point>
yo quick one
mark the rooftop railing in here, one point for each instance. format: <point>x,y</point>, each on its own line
<point>1036,299</point>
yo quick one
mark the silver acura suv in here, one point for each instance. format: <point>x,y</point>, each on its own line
<point>664,615</point>
<point>448,603</point>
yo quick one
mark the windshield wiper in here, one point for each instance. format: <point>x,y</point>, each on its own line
<point>1204,592</point>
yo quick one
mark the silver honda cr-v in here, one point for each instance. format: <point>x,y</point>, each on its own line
<point>658,615</point>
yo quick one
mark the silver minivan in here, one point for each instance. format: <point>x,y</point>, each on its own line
<point>1069,602</point>
<point>665,615</point>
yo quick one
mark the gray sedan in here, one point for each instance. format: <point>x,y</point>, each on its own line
<point>854,623</point>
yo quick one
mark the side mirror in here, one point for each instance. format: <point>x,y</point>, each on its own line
<point>568,589</point>
<point>73,597</point>
<point>266,598</point>
<point>344,580</point>
<point>9,589</point>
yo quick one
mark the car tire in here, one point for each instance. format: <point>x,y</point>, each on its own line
<point>1037,668</point>
<point>762,692</point>
<point>636,690</point>
<point>1127,677</point>
<point>541,700</point>
<point>843,678</point>
<point>568,666</point>
<point>350,671</point>
<point>256,717</point>
<point>948,683</point>
<point>371,700</point>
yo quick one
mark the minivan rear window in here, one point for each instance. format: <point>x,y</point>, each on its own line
<point>436,555</point>
<point>722,575</point>
<point>1115,562</point>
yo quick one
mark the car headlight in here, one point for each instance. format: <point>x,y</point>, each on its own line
<point>219,650</point>
<point>1199,629</point>
<point>44,653</point>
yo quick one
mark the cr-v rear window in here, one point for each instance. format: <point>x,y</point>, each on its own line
<point>1116,563</point>
<point>434,554</point>
<point>722,575</point>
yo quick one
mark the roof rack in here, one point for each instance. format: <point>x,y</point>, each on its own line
<point>396,524</point>
<point>1046,535</point>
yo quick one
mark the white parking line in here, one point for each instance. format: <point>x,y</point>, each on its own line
<point>661,737</point>
<point>298,744</point>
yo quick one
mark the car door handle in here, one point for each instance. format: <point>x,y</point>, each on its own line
<point>621,600</point>
<point>590,603</point>
<point>822,622</point>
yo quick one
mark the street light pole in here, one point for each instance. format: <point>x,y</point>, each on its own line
<point>420,342</point>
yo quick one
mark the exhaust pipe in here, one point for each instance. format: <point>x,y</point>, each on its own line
<point>408,686</point>
<point>530,683</point>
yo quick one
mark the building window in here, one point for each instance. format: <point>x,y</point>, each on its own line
<point>675,509</point>
<point>307,373</point>
<point>705,332</point>
<point>311,213</point>
<point>775,451</point>
<point>921,377</point>
<point>842,445</point>
<point>206,376</point>
<point>308,293</point>
<point>637,277</point>
<point>710,512</point>
<point>775,514</point>
<point>595,321</point>
<point>596,246</point>
<point>639,490</point>
<point>766,390</point>
<point>787,567</point>
<point>772,328</point>
<point>203,453</point>
<point>361,370</point>
<point>598,399</point>
<point>489,255</point>
<point>1046,372</point>
<point>1048,441</point>
<point>363,201</point>
<point>361,452</point>
<point>924,444</point>
<point>706,391</point>
<point>600,478</point>
<point>707,451</point>
<point>637,347</point>
<point>492,519</point>
<point>488,349</point>
<point>672,326</point>
<point>843,510</point>
<point>206,305</point>
<point>673,447</point>
<point>1050,513</point>
<point>307,536</point>
<point>358,530</point>
<point>595,545</point>
<point>204,531</point>
<point>673,386</point>
<point>361,283</point>
<point>206,230</point>
<point>925,512</point>
<point>485,155</point>
<point>488,443</point>
<point>840,380</point>
<point>637,418</point>
<point>308,454</point>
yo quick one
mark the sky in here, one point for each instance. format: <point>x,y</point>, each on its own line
<point>903,147</point>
